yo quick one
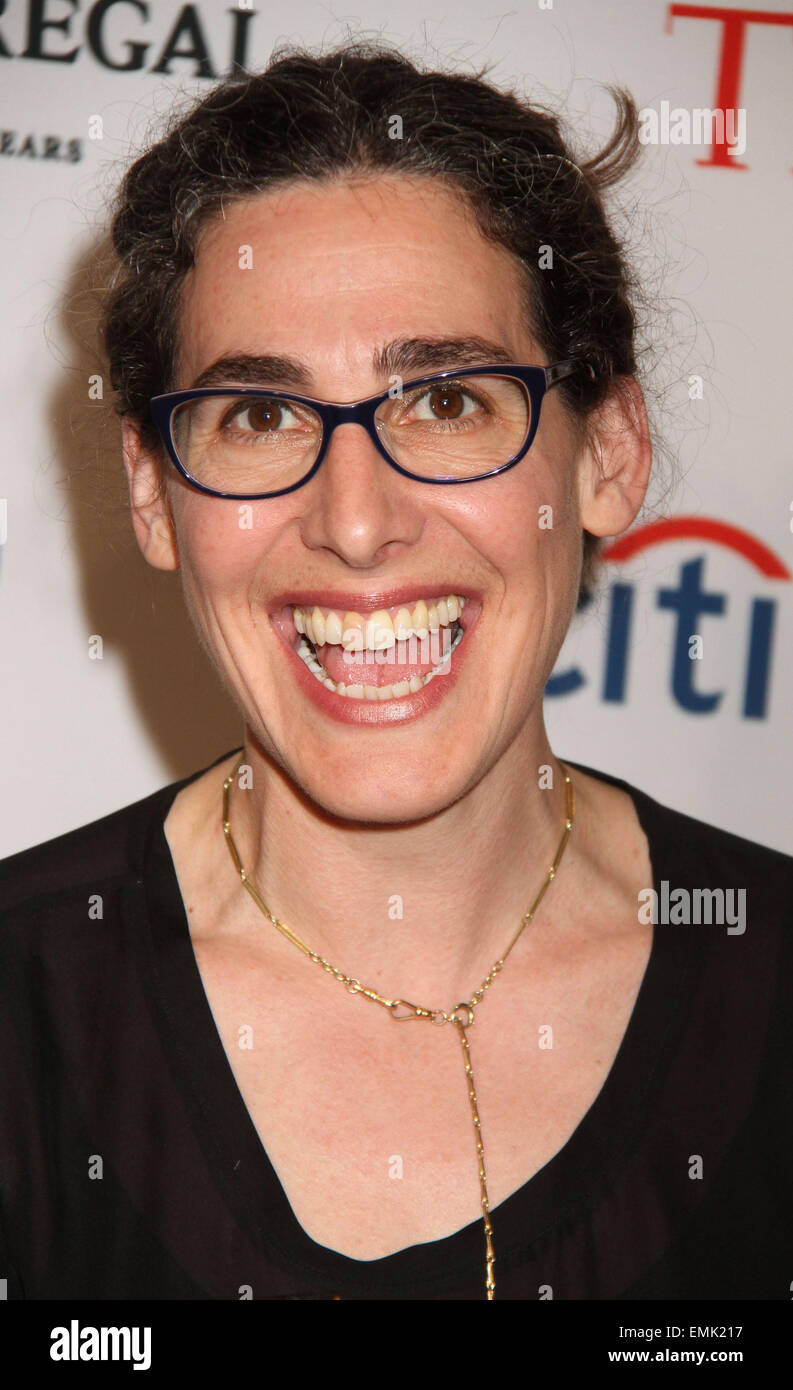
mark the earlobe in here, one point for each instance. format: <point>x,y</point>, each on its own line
<point>614,469</point>
<point>152,519</point>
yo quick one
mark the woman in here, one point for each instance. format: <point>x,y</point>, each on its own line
<point>194,1110</point>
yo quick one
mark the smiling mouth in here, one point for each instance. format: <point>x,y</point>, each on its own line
<point>385,655</point>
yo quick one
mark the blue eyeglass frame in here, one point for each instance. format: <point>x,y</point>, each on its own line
<point>536,380</point>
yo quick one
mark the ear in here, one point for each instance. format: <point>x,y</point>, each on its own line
<point>152,518</point>
<point>614,468</point>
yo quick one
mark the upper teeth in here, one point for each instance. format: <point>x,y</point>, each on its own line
<point>377,631</point>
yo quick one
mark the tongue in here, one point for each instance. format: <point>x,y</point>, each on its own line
<point>387,667</point>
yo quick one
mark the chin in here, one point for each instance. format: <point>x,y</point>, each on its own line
<point>405,796</point>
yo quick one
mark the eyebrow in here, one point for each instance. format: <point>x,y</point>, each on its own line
<point>399,357</point>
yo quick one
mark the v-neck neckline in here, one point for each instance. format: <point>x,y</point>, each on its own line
<point>565,1187</point>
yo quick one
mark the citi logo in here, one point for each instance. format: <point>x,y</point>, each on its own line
<point>687,607</point>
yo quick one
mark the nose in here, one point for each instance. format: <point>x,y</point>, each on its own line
<point>357,505</point>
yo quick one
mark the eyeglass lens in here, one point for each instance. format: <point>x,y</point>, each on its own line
<point>441,430</point>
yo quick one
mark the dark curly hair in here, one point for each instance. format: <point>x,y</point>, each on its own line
<point>315,116</point>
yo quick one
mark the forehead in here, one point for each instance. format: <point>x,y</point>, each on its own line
<point>329,271</point>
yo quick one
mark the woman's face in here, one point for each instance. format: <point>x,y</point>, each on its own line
<point>334,274</point>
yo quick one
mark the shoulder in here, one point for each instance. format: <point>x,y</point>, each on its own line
<point>720,976</point>
<point>687,852</point>
<point>67,862</point>
<point>49,892</point>
<point>47,882</point>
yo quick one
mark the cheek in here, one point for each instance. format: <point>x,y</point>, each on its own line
<point>221,547</point>
<point>548,511</point>
<point>526,527</point>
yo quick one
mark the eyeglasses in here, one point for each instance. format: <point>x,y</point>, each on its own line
<point>249,442</point>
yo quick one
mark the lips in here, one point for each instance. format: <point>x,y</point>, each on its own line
<point>420,655</point>
<point>406,665</point>
<point>369,602</point>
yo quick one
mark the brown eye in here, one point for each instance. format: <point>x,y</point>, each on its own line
<point>446,402</point>
<point>264,415</point>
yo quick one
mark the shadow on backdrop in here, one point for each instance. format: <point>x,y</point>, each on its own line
<point>139,612</point>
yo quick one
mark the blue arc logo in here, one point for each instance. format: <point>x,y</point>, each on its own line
<point>688,601</point>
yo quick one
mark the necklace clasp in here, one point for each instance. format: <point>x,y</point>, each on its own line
<point>410,1011</point>
<point>468,1010</point>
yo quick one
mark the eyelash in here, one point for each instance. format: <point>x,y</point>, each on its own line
<point>424,391</point>
<point>414,397</point>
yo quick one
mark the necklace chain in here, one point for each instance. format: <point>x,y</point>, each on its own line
<point>401,1010</point>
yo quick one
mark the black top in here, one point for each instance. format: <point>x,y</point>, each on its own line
<point>131,1169</point>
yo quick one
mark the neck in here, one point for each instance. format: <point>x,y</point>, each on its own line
<point>418,910</point>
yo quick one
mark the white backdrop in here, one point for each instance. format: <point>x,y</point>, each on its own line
<point>81,737</point>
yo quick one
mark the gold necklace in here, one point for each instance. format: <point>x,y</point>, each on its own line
<point>462,1015</point>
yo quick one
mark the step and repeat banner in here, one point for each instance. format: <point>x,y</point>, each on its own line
<point>677,671</point>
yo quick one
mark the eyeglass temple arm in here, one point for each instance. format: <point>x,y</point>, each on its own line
<point>559,370</point>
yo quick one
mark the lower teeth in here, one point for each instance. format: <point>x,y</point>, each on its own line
<point>397,691</point>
